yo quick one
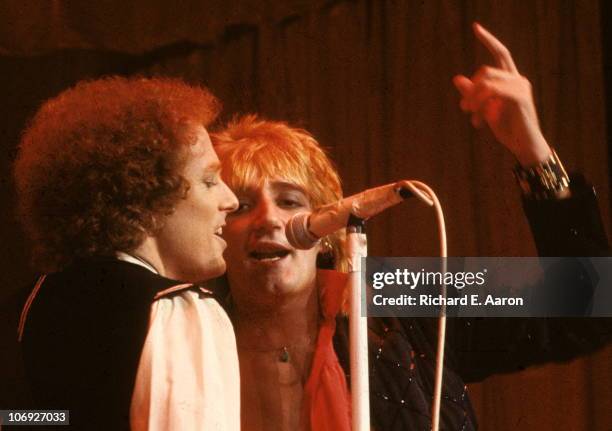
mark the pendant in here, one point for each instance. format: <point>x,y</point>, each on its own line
<point>284,355</point>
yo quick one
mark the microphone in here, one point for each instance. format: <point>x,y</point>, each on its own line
<point>304,229</point>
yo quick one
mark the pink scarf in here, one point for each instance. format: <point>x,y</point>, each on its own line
<point>326,404</point>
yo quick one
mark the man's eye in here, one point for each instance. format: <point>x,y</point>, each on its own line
<point>210,182</point>
<point>290,203</point>
<point>242,207</point>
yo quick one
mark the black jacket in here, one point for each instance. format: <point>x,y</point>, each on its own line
<point>83,338</point>
<point>402,350</point>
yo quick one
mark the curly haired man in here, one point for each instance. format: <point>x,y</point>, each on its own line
<point>119,190</point>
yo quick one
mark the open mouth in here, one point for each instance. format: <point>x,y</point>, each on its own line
<point>268,256</point>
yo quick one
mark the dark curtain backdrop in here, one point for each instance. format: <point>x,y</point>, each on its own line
<point>372,81</point>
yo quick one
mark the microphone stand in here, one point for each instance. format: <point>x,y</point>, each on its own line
<point>357,248</point>
<point>367,204</point>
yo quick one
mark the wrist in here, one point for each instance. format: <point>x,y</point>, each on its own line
<point>535,154</point>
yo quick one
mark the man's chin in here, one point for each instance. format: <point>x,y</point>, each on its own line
<point>206,272</point>
<point>217,269</point>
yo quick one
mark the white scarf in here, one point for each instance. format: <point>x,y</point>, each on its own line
<point>188,376</point>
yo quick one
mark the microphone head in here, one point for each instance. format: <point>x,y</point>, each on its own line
<point>405,193</point>
<point>298,234</point>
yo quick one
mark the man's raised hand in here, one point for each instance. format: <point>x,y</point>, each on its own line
<point>502,98</point>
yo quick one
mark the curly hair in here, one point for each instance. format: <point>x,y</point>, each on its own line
<point>253,150</point>
<point>99,166</point>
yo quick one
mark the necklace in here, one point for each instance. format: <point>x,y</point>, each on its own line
<point>284,355</point>
<point>281,353</point>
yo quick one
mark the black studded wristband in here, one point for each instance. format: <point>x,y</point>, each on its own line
<point>547,180</point>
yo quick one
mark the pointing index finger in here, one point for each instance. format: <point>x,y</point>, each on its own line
<point>496,48</point>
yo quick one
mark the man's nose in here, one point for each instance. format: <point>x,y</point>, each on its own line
<point>268,216</point>
<point>229,201</point>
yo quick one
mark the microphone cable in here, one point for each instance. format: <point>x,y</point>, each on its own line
<point>437,398</point>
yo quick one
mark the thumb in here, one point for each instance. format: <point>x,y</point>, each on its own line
<point>463,84</point>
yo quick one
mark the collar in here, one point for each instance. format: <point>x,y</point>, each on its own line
<point>332,291</point>
<point>126,257</point>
